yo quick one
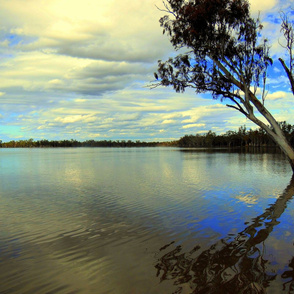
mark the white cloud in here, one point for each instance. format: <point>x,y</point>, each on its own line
<point>112,30</point>
<point>277,95</point>
<point>193,126</point>
<point>168,121</point>
<point>75,118</point>
<point>80,68</point>
<point>262,5</point>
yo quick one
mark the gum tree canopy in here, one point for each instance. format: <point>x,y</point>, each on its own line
<point>224,55</point>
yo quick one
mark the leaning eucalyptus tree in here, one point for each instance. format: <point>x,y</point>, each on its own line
<point>221,52</point>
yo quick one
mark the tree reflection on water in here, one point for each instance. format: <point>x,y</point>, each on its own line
<point>233,264</point>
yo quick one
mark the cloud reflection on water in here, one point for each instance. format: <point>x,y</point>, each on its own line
<point>235,264</point>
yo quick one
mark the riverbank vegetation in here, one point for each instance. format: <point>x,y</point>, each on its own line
<point>241,138</point>
<point>74,143</point>
<point>231,139</point>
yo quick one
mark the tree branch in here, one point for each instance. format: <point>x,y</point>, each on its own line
<point>289,74</point>
<point>239,109</point>
<point>166,9</point>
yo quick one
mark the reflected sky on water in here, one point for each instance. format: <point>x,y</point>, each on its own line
<point>80,219</point>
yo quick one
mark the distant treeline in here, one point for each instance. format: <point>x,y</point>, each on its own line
<point>231,139</point>
<point>240,138</point>
<point>74,143</point>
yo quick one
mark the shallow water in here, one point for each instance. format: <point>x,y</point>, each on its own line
<point>107,220</point>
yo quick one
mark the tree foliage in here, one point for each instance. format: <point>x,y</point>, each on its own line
<point>221,51</point>
<point>224,56</point>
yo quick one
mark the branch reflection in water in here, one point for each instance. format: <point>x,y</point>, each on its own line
<point>233,264</point>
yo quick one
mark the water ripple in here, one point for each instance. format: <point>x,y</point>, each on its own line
<point>86,220</point>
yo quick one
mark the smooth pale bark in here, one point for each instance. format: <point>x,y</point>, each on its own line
<point>275,132</point>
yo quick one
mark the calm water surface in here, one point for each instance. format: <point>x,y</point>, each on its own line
<point>145,220</point>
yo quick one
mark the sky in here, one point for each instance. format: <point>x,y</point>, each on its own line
<point>73,69</point>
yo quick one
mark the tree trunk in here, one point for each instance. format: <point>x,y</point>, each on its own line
<point>275,133</point>
<point>287,149</point>
<point>278,137</point>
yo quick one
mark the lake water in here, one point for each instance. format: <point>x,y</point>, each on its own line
<point>145,220</point>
